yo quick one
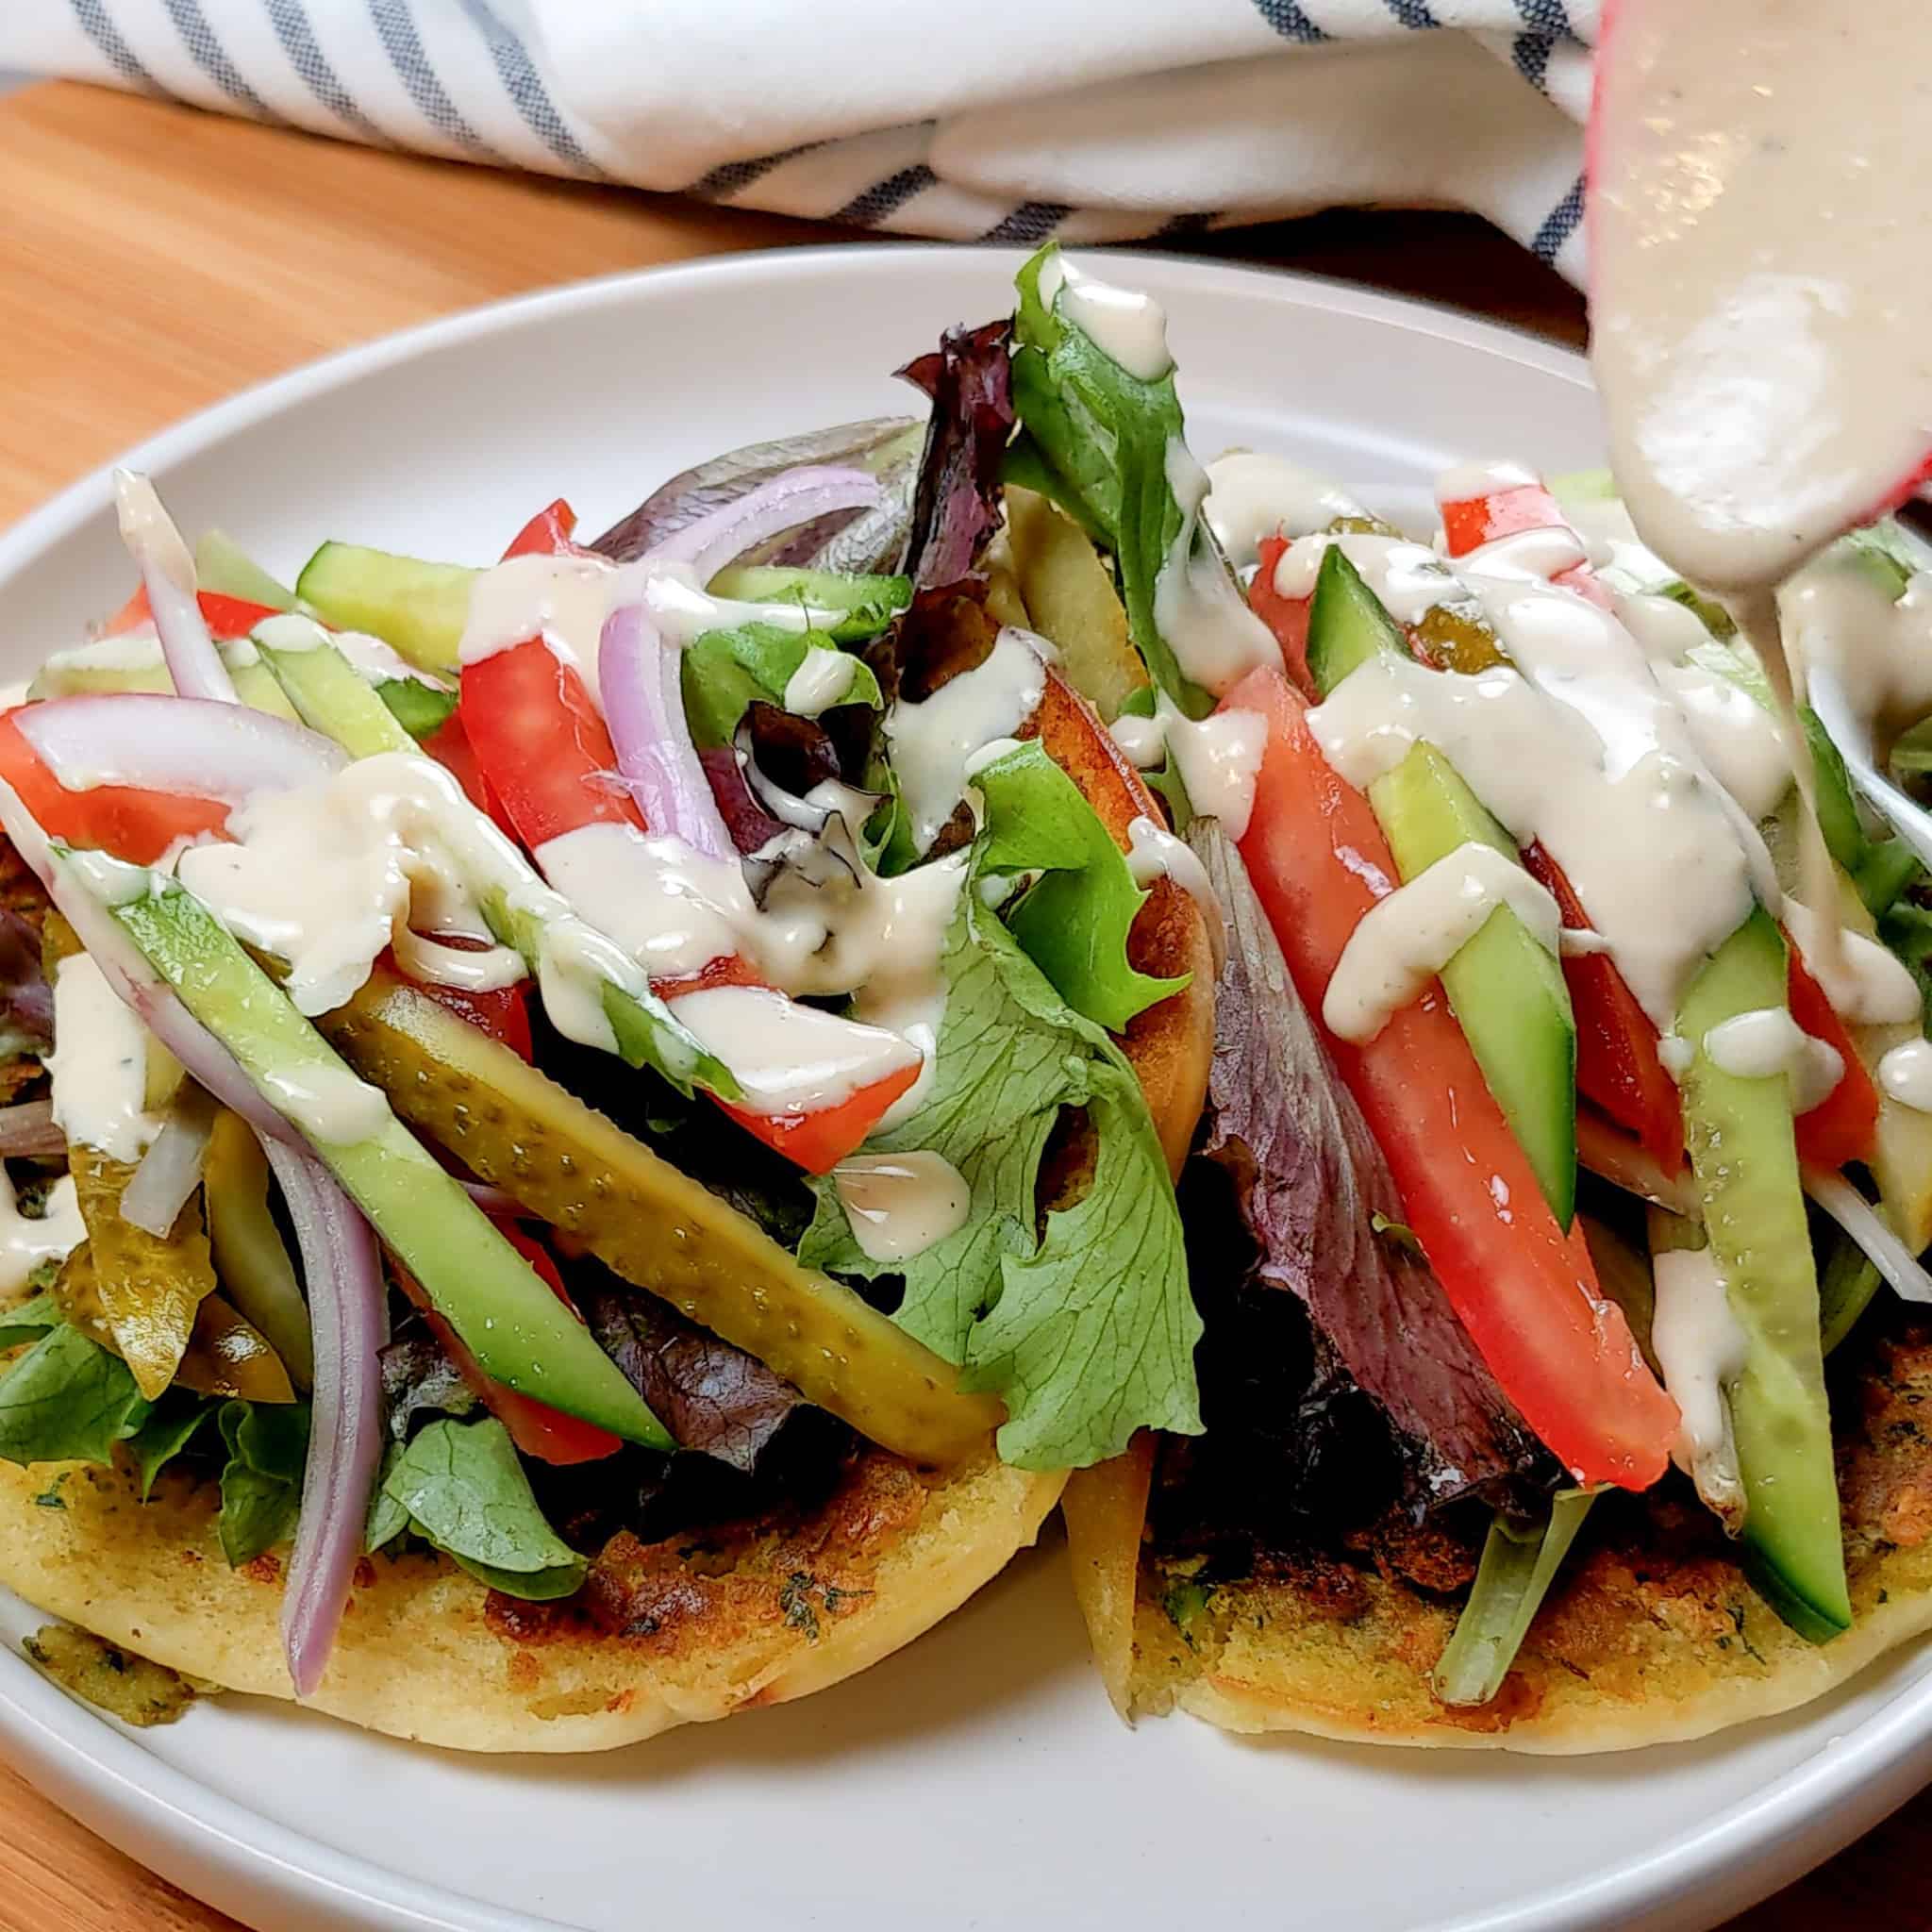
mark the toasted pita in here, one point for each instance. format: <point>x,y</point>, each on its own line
<point>1653,1636</point>
<point>767,1612</point>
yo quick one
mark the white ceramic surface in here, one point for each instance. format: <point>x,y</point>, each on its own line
<point>978,1777</point>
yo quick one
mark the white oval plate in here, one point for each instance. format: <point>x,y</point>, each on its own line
<point>978,1776</point>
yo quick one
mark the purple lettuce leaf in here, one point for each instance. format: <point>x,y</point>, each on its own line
<point>956,508</point>
<point>1317,1195</point>
<point>844,541</point>
<point>714,1399</point>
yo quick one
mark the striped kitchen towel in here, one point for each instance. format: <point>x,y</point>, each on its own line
<point>999,120</point>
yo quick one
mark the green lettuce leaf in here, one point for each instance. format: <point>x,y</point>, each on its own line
<point>29,1320</point>
<point>172,1425</point>
<point>261,1485</point>
<point>1096,442</point>
<point>1085,1328</point>
<point>725,669</point>
<point>1073,920</point>
<point>465,1492</point>
<point>421,709</point>
<point>67,1400</point>
<point>865,605</point>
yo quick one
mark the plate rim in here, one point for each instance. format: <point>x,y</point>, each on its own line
<point>236,1857</point>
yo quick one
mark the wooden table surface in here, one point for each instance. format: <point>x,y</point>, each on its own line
<point>154,259</point>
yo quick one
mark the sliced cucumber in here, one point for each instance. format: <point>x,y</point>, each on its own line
<point>417,609</point>
<point>1746,1166</point>
<point>1505,986</point>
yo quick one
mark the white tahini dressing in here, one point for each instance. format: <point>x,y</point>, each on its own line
<point>932,742</point>
<point>793,1059</point>
<point>900,1205</point>
<point>328,876</point>
<point>99,1064</point>
<point>1198,606</point>
<point>329,1104</point>
<point>1125,325</point>
<point>1252,497</point>
<point>25,1243</point>
<point>1866,984</point>
<point>820,681</point>
<point>1906,1075</point>
<point>1701,1349</point>
<point>1154,853</point>
<point>1762,269</point>
<point>1581,751</point>
<point>1767,1042</point>
<point>1403,941</point>
<point>1409,579</point>
<point>1219,756</point>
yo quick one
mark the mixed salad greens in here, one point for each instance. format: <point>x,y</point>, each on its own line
<point>822,1123</point>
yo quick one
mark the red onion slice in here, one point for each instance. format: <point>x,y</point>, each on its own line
<point>30,1128</point>
<point>166,571</point>
<point>799,496</point>
<point>169,1171</point>
<point>134,980</point>
<point>194,747</point>
<point>643,706</point>
<point>348,1305</point>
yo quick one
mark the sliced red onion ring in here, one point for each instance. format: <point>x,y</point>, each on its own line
<point>799,496</point>
<point>134,980</point>
<point>348,1307</point>
<point>643,705</point>
<point>169,1171</point>
<point>1867,1228</point>
<point>495,1203</point>
<point>30,1128</point>
<point>197,748</point>
<point>166,571</point>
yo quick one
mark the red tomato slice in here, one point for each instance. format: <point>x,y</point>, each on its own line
<point>1478,520</point>
<point>1287,617</point>
<point>503,1013</point>
<point>226,617</point>
<point>540,1431</point>
<point>547,534</point>
<point>1527,1295</point>
<point>540,744</point>
<point>1617,1063</point>
<point>138,826</point>
<point>1843,1126</point>
<point>819,1142</point>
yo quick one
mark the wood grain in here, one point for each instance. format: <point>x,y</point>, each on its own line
<point>153,261</point>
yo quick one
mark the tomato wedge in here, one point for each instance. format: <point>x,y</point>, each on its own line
<point>1843,1125</point>
<point>540,1431</point>
<point>541,743</point>
<point>503,1013</point>
<point>138,826</point>
<point>1287,617</point>
<point>1617,1061</point>
<point>819,1142</point>
<point>1527,1294</point>
<point>1474,520</point>
<point>226,618</point>
<point>547,534</point>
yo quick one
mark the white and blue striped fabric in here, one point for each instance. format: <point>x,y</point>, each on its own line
<point>1003,120</point>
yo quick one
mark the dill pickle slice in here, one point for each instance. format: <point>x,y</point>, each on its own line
<point>652,1225</point>
<point>1457,637</point>
<point>225,1354</point>
<point>149,1289</point>
<point>251,1260</point>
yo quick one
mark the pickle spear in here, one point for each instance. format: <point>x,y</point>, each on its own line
<point>519,1332</point>
<point>653,1226</point>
